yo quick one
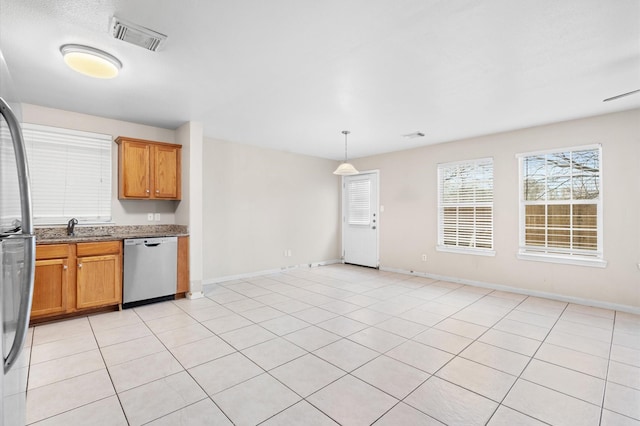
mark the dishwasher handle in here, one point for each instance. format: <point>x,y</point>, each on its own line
<point>152,244</point>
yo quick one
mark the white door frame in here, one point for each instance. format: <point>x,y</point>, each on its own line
<point>376,211</point>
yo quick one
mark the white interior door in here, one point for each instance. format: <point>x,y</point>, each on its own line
<point>360,219</point>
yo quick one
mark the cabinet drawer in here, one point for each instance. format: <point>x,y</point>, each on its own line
<point>101,248</point>
<point>52,251</point>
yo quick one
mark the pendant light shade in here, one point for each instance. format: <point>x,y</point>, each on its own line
<point>346,168</point>
<point>90,61</point>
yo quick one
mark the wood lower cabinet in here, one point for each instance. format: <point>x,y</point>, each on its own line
<point>149,170</point>
<point>75,277</point>
<point>183,266</point>
<point>51,283</point>
<point>99,274</point>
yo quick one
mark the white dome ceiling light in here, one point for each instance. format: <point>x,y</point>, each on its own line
<point>90,61</point>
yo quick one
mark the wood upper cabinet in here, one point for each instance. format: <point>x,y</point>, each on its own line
<point>166,179</point>
<point>51,284</point>
<point>134,165</point>
<point>149,170</point>
<point>99,274</point>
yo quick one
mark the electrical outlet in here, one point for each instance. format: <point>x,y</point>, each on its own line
<point>157,217</point>
<point>424,257</point>
<point>149,217</point>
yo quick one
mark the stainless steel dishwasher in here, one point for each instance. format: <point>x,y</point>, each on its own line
<point>150,270</point>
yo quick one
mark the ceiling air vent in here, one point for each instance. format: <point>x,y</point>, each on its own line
<point>135,34</point>
<point>413,135</point>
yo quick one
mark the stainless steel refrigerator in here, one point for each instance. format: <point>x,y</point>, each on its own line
<point>17,260</point>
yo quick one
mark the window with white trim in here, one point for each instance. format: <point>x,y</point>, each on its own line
<point>465,206</point>
<point>70,174</point>
<point>561,205</point>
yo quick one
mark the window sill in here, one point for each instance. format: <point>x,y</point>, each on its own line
<point>594,263</point>
<point>460,250</point>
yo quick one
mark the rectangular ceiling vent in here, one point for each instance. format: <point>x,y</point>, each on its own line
<point>136,34</point>
<point>413,135</point>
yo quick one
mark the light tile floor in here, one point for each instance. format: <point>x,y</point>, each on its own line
<point>339,344</point>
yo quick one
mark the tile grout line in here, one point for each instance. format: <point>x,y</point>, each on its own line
<point>347,373</point>
<point>84,374</point>
<point>606,381</point>
<point>124,413</point>
<point>298,283</point>
<point>186,370</point>
<point>459,355</point>
<point>531,358</point>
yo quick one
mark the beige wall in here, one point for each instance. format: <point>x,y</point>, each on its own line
<point>408,225</point>
<point>258,202</point>
<point>125,212</point>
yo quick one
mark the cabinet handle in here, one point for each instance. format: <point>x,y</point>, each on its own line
<point>147,191</point>
<point>64,267</point>
<point>157,191</point>
<point>79,265</point>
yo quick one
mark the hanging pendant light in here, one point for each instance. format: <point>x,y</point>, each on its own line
<point>345,169</point>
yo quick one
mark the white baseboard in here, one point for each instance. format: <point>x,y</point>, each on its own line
<point>218,280</point>
<point>523,291</point>
<point>196,295</point>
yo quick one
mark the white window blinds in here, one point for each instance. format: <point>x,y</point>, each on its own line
<point>70,174</point>
<point>359,193</point>
<point>465,206</point>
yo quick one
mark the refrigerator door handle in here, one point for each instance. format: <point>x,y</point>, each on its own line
<point>26,298</point>
<point>26,295</point>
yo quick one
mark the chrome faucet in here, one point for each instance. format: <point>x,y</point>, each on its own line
<point>71,226</point>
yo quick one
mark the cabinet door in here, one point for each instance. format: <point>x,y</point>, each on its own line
<point>99,281</point>
<point>167,172</point>
<point>134,170</point>
<point>183,265</point>
<point>50,288</point>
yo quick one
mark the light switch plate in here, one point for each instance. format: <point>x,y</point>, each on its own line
<point>149,217</point>
<point>157,217</point>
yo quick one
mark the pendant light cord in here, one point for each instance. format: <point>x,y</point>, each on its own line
<point>345,133</point>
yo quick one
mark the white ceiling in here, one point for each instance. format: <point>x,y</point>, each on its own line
<point>291,74</point>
